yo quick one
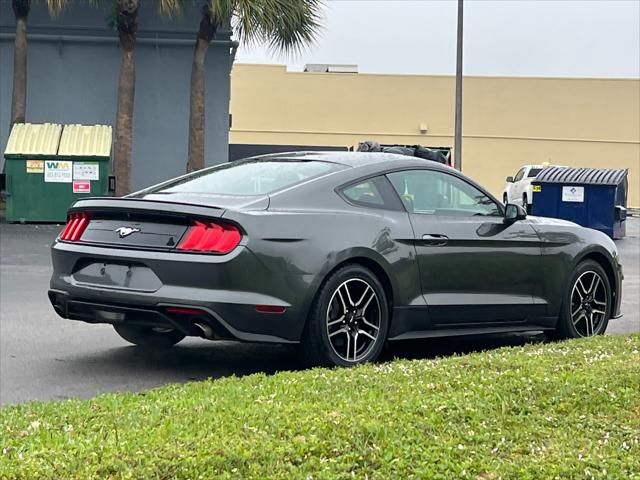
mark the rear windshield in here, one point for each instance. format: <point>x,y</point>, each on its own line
<point>534,172</point>
<point>250,177</point>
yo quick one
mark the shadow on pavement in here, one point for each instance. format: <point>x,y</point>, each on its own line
<point>447,346</point>
<point>198,360</point>
<point>193,360</point>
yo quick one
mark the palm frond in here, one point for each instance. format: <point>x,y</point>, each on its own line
<point>283,25</point>
<point>56,6</point>
<point>247,20</point>
<point>221,11</point>
<point>171,7</point>
<point>292,25</point>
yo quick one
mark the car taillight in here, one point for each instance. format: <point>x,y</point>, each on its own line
<point>210,237</point>
<point>75,227</point>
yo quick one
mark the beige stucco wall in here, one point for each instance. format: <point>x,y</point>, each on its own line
<point>508,122</point>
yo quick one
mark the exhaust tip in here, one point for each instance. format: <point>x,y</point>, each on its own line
<point>205,330</point>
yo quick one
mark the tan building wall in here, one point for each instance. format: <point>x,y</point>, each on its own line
<point>507,122</point>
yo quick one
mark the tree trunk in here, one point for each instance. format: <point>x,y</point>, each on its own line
<point>197,108</point>
<point>127,22</point>
<point>124,122</point>
<point>206,32</point>
<point>19,97</point>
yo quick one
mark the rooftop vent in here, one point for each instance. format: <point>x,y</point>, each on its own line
<point>330,68</point>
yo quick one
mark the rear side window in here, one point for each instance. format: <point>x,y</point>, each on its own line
<point>364,193</point>
<point>374,192</point>
<point>534,172</point>
<point>250,177</point>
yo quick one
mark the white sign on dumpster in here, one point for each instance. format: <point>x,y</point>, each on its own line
<point>573,194</point>
<point>58,172</point>
<point>86,171</point>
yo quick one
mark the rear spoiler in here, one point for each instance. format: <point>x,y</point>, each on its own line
<point>144,205</point>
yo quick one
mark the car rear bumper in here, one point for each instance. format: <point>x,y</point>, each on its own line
<point>226,290</point>
<point>161,315</point>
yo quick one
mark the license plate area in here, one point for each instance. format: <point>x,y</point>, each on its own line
<point>109,316</point>
<point>129,276</point>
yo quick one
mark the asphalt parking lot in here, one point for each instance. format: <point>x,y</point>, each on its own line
<point>43,357</point>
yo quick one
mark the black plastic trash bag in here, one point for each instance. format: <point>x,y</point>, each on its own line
<point>369,146</point>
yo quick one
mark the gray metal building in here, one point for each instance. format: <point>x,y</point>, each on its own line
<point>73,65</point>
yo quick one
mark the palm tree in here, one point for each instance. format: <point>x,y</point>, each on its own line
<point>126,22</point>
<point>21,9</point>
<point>19,99</point>
<point>284,25</point>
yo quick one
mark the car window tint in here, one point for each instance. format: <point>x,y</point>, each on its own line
<point>365,193</point>
<point>534,172</point>
<point>519,175</point>
<point>430,192</point>
<point>249,177</point>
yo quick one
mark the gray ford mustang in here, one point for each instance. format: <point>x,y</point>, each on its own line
<point>339,252</point>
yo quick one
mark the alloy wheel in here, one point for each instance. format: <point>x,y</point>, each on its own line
<point>588,303</point>
<point>353,320</point>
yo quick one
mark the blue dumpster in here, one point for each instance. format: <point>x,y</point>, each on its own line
<point>591,197</point>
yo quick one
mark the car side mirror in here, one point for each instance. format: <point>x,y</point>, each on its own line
<point>513,213</point>
<point>509,179</point>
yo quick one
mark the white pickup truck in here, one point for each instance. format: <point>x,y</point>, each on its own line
<point>518,189</point>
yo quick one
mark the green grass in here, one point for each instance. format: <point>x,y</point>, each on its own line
<point>543,411</point>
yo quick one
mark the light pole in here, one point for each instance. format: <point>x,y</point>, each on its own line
<point>457,142</point>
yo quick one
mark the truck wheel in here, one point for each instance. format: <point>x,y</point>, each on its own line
<point>525,203</point>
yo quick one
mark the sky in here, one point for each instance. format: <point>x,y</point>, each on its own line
<point>546,38</point>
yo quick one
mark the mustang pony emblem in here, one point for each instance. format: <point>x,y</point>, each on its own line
<point>125,231</point>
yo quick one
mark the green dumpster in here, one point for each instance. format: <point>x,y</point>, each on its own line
<point>50,166</point>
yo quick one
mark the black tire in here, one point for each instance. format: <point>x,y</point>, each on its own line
<point>525,203</point>
<point>568,326</point>
<point>322,348</point>
<point>148,337</point>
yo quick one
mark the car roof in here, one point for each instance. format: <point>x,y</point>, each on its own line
<point>531,166</point>
<point>365,164</point>
<point>359,159</point>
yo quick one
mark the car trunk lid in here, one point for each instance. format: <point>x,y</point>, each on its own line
<point>150,223</point>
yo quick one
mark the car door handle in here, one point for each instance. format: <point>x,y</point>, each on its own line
<point>435,239</point>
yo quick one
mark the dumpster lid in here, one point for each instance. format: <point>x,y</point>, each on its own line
<point>85,141</point>
<point>591,176</point>
<point>33,139</point>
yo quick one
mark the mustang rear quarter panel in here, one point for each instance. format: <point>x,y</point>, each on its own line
<point>309,244</point>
